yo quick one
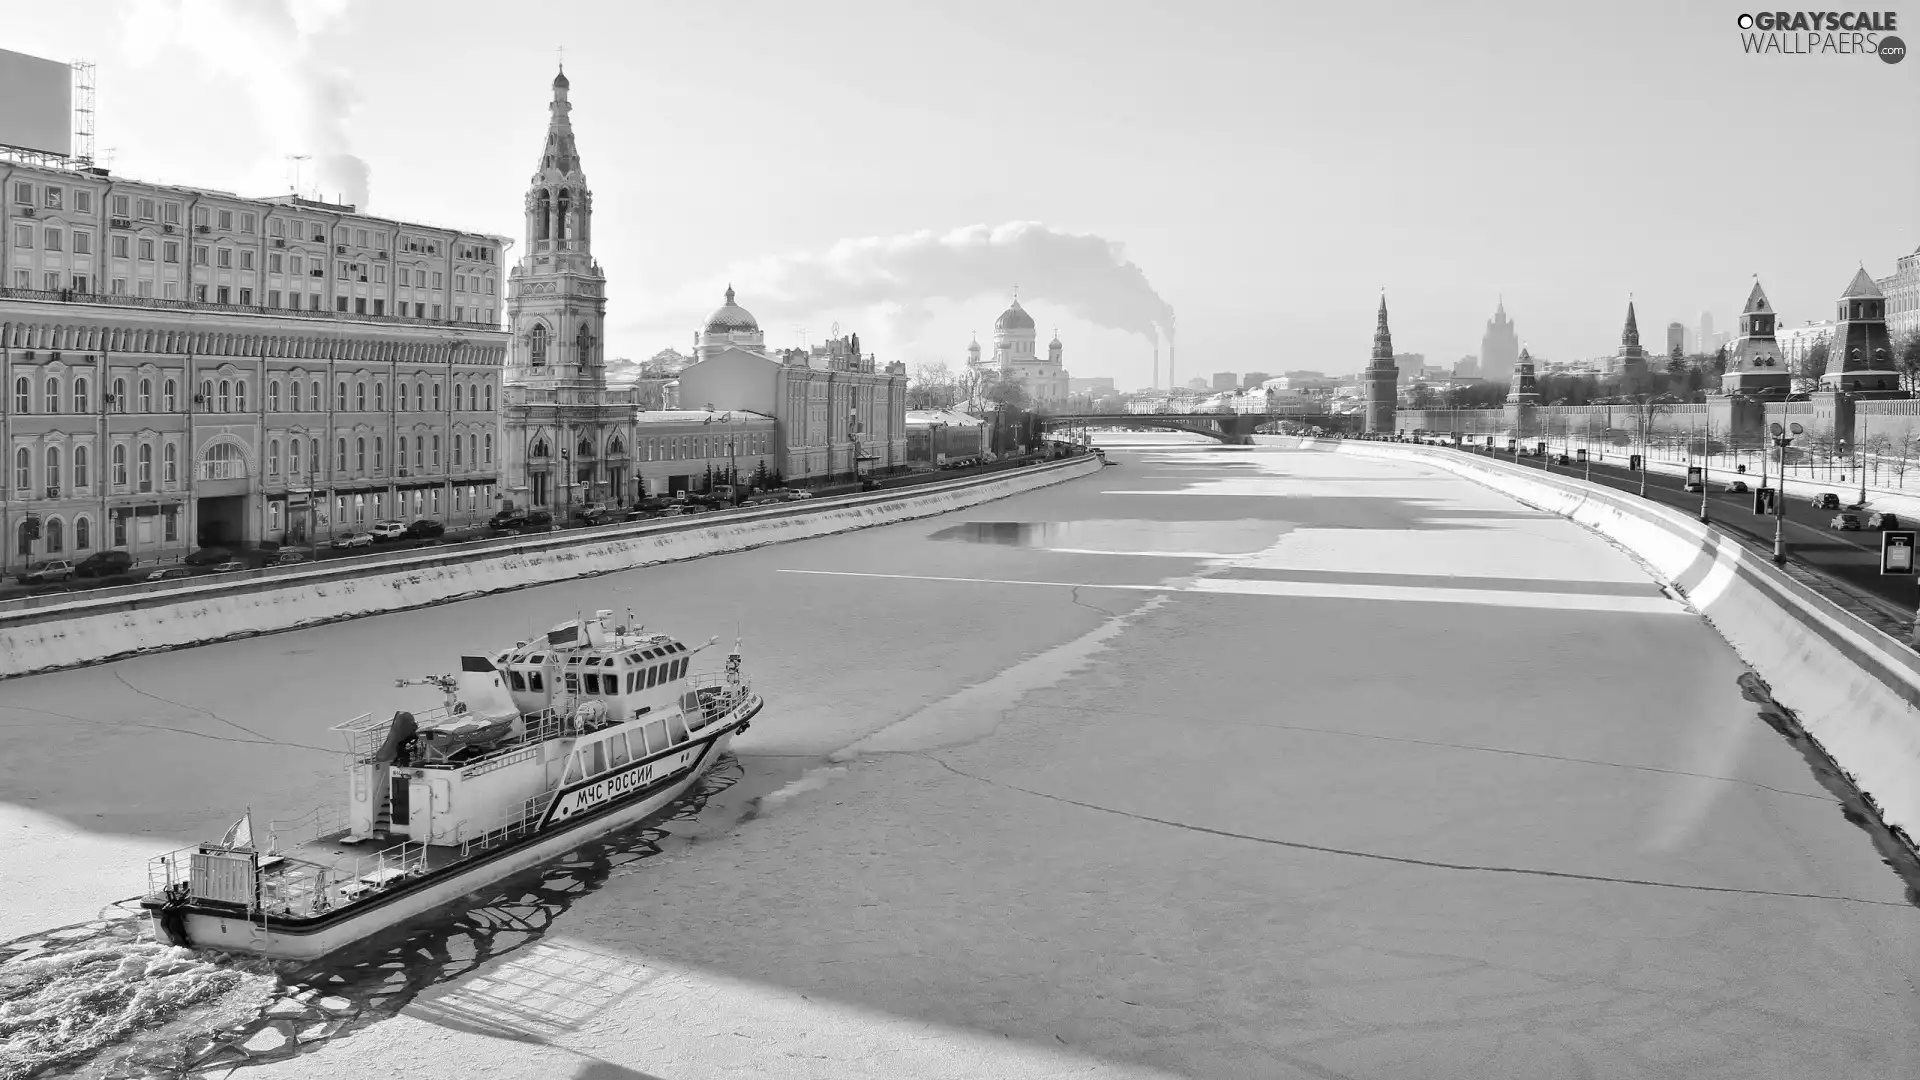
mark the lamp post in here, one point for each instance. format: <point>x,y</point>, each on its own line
<point>1706,438</point>
<point>1782,437</point>
<point>566,478</point>
<point>1860,447</point>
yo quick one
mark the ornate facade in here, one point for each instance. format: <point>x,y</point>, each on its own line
<point>1016,358</point>
<point>1383,377</point>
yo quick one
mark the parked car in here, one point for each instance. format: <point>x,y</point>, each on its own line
<point>169,573</point>
<point>425,529</point>
<point>229,566</point>
<point>1883,521</point>
<point>208,556</point>
<point>354,540</point>
<point>45,572</point>
<point>104,564</point>
<point>1738,487</point>
<point>288,558</point>
<point>1826,500</point>
<point>1845,522</point>
<point>384,531</point>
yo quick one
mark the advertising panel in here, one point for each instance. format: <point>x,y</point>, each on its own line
<point>38,114</point>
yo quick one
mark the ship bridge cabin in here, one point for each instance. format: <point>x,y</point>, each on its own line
<point>629,672</point>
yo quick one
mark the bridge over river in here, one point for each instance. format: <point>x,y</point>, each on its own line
<point>1225,761</point>
<point>1230,428</point>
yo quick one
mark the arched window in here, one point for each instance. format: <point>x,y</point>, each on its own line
<point>82,534</point>
<point>489,404</point>
<point>273,458</point>
<point>400,452</point>
<point>120,466</point>
<point>561,231</point>
<point>273,395</point>
<point>223,462</point>
<point>53,467</point>
<point>436,397</point>
<point>360,397</point>
<point>206,393</point>
<point>53,394</point>
<point>172,396</point>
<point>473,449</point>
<point>146,394</point>
<point>293,456</point>
<point>544,209</point>
<point>419,452</point>
<point>340,456</point>
<point>539,357</point>
<point>79,466</point>
<point>583,347</point>
<point>459,398</point>
<point>616,447</point>
<point>315,399</point>
<point>584,450</point>
<point>488,444</point>
<point>456,451</point>
<point>170,465</point>
<point>401,403</point>
<point>226,396</point>
<point>340,397</point>
<point>540,448</point>
<point>55,536</point>
<point>360,455</point>
<point>22,394</point>
<point>313,454</point>
<point>436,451</point>
<point>379,453</point>
<point>379,397</point>
<point>146,466</point>
<point>82,402</point>
<point>420,396</point>
<point>22,473</point>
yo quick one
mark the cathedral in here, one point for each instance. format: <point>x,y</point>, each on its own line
<point>827,415</point>
<point>1016,357</point>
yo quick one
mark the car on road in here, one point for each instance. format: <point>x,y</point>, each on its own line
<point>384,531</point>
<point>288,558</point>
<point>208,556</point>
<point>1883,521</point>
<point>1738,487</point>
<point>1845,522</point>
<point>45,572</point>
<point>354,540</point>
<point>425,529</point>
<point>1826,500</point>
<point>169,573</point>
<point>229,566</point>
<point>104,564</point>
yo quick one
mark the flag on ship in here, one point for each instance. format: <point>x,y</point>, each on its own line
<point>241,835</point>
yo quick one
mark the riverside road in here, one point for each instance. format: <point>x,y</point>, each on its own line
<point>1224,762</point>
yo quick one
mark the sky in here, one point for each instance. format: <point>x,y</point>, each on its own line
<point>1258,170</point>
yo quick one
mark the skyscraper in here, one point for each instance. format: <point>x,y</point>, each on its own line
<point>1499,346</point>
<point>1676,338</point>
<point>1706,343</point>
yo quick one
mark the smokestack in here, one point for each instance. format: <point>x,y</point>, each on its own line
<point>1171,383</point>
<point>1156,363</point>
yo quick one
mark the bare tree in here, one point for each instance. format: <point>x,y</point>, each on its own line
<point>969,386</point>
<point>1906,358</point>
<point>1808,369</point>
<point>933,386</point>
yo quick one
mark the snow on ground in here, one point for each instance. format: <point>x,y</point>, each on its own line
<point>1095,808</point>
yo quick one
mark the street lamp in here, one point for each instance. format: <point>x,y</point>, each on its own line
<point>1706,438</point>
<point>566,478</point>
<point>1782,438</point>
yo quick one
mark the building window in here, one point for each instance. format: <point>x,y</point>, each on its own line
<point>82,534</point>
<point>53,468</point>
<point>360,455</point>
<point>317,403</point>
<point>119,528</point>
<point>240,396</point>
<point>224,258</point>
<point>436,397</point>
<point>51,239</point>
<point>206,394</point>
<point>80,468</point>
<point>22,392</point>
<point>273,458</point>
<point>379,397</point>
<point>459,397</point>
<point>199,254</point>
<point>419,451</point>
<point>170,465</point>
<point>539,358</point>
<point>400,453</point>
<point>170,520</point>
<point>360,397</point>
<point>400,394</point>
<point>488,446</point>
<point>172,396</point>
<point>473,449</point>
<point>82,402</point>
<point>226,396</point>
<point>340,457</point>
<point>82,245</point>
<point>53,395</point>
<point>456,451</point>
<point>120,466</point>
<point>273,395</point>
<point>146,467</point>
<point>54,537</point>
<point>340,398</point>
<point>23,237</point>
<point>379,453</point>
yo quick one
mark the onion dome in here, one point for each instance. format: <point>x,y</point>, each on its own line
<point>1014,318</point>
<point>731,318</point>
<point>560,80</point>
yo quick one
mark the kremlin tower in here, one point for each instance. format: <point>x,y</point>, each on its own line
<point>1383,378</point>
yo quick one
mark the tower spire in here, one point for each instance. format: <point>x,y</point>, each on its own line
<point>1630,335</point>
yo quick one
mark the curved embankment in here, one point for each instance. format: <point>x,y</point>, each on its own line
<point>1855,689</point>
<point>120,622</point>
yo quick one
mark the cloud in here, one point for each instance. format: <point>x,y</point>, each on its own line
<point>269,48</point>
<point>1087,275</point>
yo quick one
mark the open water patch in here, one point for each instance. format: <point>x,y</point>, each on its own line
<point>104,1001</point>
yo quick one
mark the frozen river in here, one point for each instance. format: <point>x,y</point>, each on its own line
<point>1225,762</point>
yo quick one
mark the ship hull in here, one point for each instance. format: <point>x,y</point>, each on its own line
<point>311,939</point>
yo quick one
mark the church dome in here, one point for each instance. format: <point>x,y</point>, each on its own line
<point>1014,318</point>
<point>560,80</point>
<point>731,318</point>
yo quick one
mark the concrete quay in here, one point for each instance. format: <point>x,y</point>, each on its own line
<point>1221,763</point>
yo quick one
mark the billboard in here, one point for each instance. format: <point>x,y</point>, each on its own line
<point>39,104</point>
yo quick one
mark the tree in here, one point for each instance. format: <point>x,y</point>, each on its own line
<point>1008,395</point>
<point>1906,358</point>
<point>1808,369</point>
<point>968,386</point>
<point>933,386</point>
<point>664,364</point>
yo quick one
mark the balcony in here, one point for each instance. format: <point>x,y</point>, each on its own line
<point>223,470</point>
<point>122,300</point>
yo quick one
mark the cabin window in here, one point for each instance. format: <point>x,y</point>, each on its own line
<point>593,682</point>
<point>573,682</point>
<point>653,677</point>
<point>656,736</point>
<point>677,728</point>
<point>574,775</point>
<point>515,680</point>
<point>617,751</point>
<point>535,683</point>
<point>597,763</point>
<point>680,667</point>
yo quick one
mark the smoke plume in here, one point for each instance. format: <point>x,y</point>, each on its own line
<point>1087,275</point>
<point>269,48</point>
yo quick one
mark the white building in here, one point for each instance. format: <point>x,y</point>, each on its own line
<point>1016,357</point>
<point>1797,341</point>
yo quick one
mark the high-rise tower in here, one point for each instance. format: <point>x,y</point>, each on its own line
<point>1383,377</point>
<point>1499,346</point>
<point>554,421</point>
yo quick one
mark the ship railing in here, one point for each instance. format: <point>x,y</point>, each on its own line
<point>517,822</point>
<point>298,888</point>
<point>728,695</point>
<point>366,734</point>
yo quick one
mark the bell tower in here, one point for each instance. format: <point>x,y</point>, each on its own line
<point>563,445</point>
<point>1383,378</point>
